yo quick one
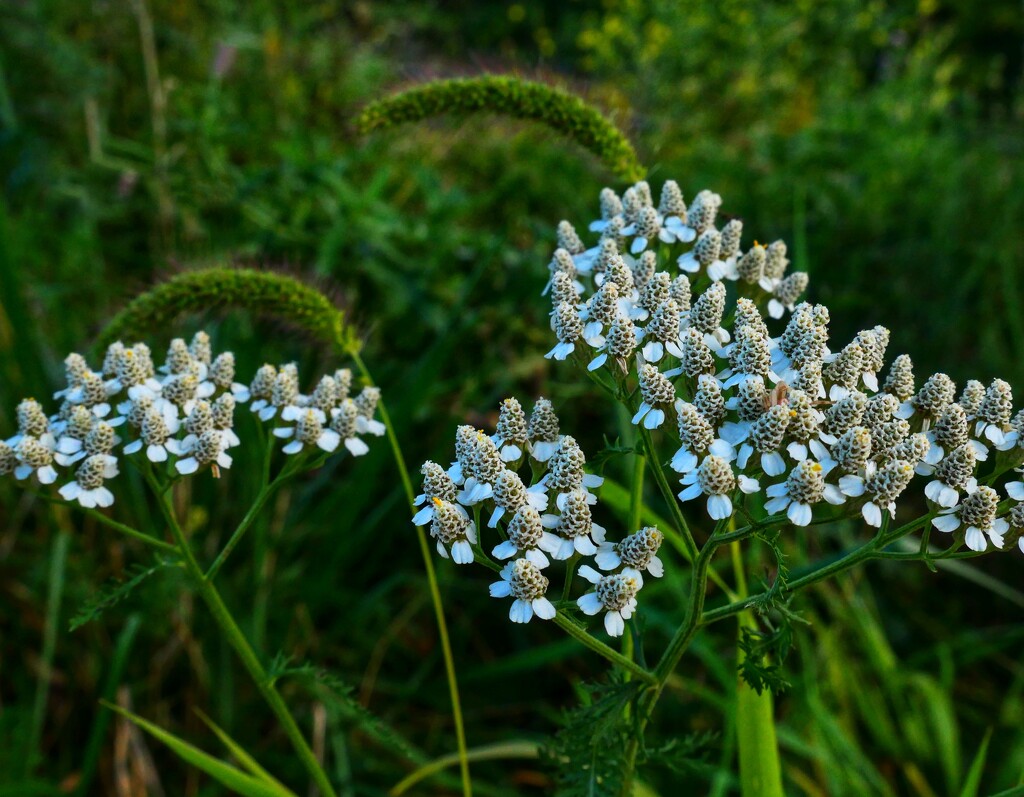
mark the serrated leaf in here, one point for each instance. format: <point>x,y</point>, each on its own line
<point>113,592</point>
<point>220,771</point>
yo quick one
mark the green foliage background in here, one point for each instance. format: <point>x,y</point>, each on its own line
<point>882,140</point>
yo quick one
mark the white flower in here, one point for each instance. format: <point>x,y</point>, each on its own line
<point>978,513</point>
<point>452,529</point>
<point>526,536</point>
<point>36,456</point>
<point>638,552</point>
<point>523,581</point>
<point>346,422</point>
<point>436,484</point>
<point>88,488</point>
<point>614,594</point>
<point>576,530</point>
<point>309,432</point>
<point>204,449</point>
<point>156,436</point>
<point>804,487</point>
<point>715,479</point>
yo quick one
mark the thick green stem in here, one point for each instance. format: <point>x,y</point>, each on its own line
<point>435,591</point>
<point>651,456</point>
<point>211,597</point>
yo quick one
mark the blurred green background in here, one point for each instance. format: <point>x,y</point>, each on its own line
<point>882,140</point>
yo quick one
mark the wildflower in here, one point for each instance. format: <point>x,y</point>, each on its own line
<point>611,208</point>
<point>993,419</point>
<point>510,494</point>
<point>637,552</point>
<point>527,536</point>
<point>523,581</point>
<point>787,292</point>
<point>805,427</point>
<point>261,389</point>
<point>32,421</point>
<point>646,228</point>
<point>750,266</point>
<point>662,332</point>
<point>705,253</point>
<point>715,479</point>
<point>749,356</point>
<point>179,394</point>
<point>655,291</point>
<point>900,381</point>
<point>706,316</point>
<point>620,343</point>
<point>222,413</point>
<point>937,392</point>
<point>69,446</point>
<point>766,436</point>
<point>542,431</point>
<point>565,472</point>
<point>732,233</point>
<point>575,528</point>
<point>698,437</point>
<point>845,371</point>
<point>88,487</point>
<point>156,436</point>
<point>35,455</point>
<point>978,513</point>
<point>568,328</point>
<point>366,403</point>
<point>775,265</point>
<point>656,392</point>
<point>614,594</point>
<point>308,432</point>
<point>708,399</point>
<point>485,466</point>
<point>453,531</point>
<point>283,394</point>
<point>971,397</point>
<point>346,422</point>
<point>846,413</point>
<point>695,357</point>
<point>673,210</point>
<point>804,487</point>
<point>873,344</point>
<point>92,393</point>
<point>510,434</point>
<point>600,312</point>
<point>75,368</point>
<point>436,484</point>
<point>954,473</point>
<point>645,268</point>
<point>885,485</point>
<point>851,453</point>
<point>206,449</point>
<point>8,459</point>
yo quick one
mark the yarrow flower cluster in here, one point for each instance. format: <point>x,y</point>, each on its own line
<point>782,421</point>
<point>180,415</point>
<point>536,520</point>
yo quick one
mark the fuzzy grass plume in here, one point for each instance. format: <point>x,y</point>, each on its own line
<point>263,292</point>
<point>563,112</point>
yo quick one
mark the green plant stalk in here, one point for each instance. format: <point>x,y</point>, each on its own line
<point>581,635</point>
<point>636,494</point>
<point>651,455</point>
<point>211,597</point>
<point>266,490</point>
<point>435,590</point>
<point>58,559</point>
<point>760,769</point>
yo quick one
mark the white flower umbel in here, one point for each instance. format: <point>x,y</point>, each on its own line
<point>637,552</point>
<point>308,432</point>
<point>977,513</point>
<point>88,487</point>
<point>453,531</point>
<point>715,479</point>
<point>615,595</point>
<point>527,537</point>
<point>523,581</point>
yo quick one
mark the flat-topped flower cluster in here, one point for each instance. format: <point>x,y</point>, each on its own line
<point>785,420</point>
<point>546,517</point>
<point>182,412</point>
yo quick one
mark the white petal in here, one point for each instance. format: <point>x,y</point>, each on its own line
<point>799,514</point>
<point>294,447</point>
<point>590,603</point>
<point>156,453</point>
<point>462,552</point>
<point>946,523</point>
<point>872,514</point>
<point>543,608</point>
<point>719,507</point>
<point>520,611</point>
<point>187,466</point>
<point>773,464</point>
<point>356,447</point>
<point>505,550</point>
<point>975,540</point>
<point>501,589</point>
<point>614,624</point>
<point>328,440</point>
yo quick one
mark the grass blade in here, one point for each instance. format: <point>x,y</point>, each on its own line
<point>223,773</point>
<point>240,754</point>
<point>972,783</point>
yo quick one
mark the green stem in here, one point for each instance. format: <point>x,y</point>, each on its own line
<point>581,635</point>
<point>241,646</point>
<point>435,591</point>
<point>666,491</point>
<point>636,495</point>
<point>58,558</point>
<point>266,490</point>
<point>135,534</point>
